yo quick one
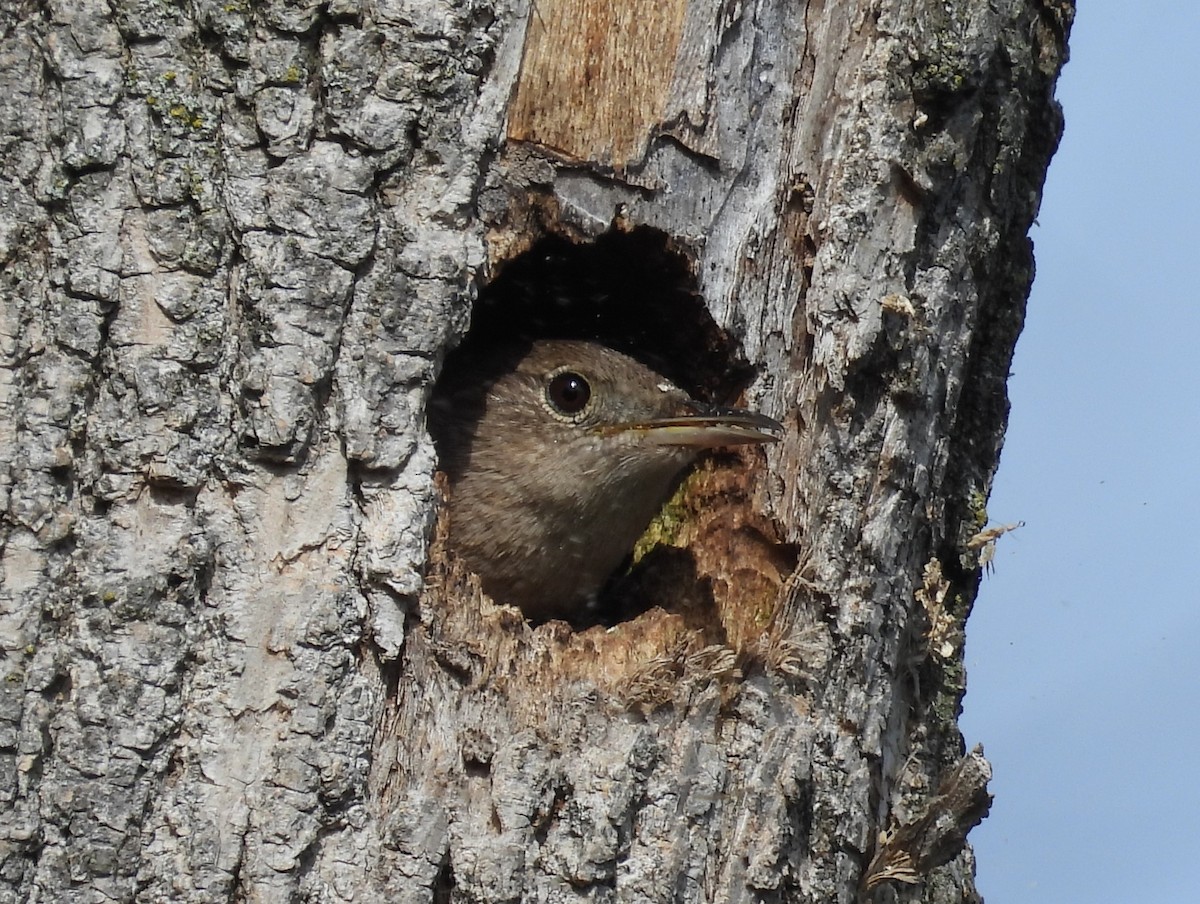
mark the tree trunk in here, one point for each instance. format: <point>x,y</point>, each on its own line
<point>238,240</point>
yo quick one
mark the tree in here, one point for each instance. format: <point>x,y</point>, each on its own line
<point>238,240</point>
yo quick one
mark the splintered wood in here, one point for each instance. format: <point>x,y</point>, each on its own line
<point>595,77</point>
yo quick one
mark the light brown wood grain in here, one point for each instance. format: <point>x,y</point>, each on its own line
<point>595,77</point>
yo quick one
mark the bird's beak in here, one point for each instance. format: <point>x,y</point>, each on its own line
<point>708,427</point>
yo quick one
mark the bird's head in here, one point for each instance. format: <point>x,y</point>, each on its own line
<point>587,395</point>
<point>559,455</point>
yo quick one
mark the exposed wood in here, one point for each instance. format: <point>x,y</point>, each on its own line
<point>595,77</point>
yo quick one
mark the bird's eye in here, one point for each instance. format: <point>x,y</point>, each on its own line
<point>568,392</point>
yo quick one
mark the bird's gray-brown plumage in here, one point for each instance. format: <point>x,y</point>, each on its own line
<point>559,455</point>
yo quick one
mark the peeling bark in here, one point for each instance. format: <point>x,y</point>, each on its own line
<point>238,240</point>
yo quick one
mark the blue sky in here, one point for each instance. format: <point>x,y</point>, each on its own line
<point>1083,652</point>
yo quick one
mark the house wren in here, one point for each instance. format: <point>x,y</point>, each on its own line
<point>559,455</point>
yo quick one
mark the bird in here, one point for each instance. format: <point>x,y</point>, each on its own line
<point>558,454</point>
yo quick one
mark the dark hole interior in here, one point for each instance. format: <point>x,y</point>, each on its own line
<point>628,289</point>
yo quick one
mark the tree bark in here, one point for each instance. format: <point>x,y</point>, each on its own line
<point>238,240</point>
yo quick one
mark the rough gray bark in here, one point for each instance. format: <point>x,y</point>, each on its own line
<point>237,239</point>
